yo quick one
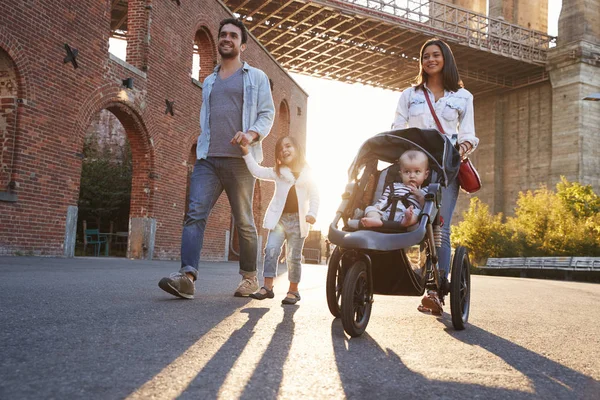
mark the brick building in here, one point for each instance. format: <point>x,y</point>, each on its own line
<point>46,106</point>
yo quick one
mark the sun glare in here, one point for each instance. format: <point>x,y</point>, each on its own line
<point>341,117</point>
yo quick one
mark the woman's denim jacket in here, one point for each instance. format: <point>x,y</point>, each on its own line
<point>454,110</point>
<point>257,114</point>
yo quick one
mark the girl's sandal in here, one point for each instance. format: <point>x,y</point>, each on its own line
<point>260,296</point>
<point>291,300</point>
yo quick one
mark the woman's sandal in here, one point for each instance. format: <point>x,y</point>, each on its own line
<point>259,296</point>
<point>423,309</point>
<point>291,300</point>
<point>431,303</point>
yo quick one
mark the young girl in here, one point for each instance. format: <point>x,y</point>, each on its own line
<point>294,206</point>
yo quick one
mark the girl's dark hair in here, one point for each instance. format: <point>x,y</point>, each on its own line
<point>300,155</point>
<point>450,77</point>
<point>235,22</point>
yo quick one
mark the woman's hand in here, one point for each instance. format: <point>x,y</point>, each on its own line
<point>310,219</point>
<point>464,149</point>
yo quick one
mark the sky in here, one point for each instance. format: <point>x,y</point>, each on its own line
<point>340,118</point>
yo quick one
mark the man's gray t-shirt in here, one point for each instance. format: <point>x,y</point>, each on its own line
<point>226,102</point>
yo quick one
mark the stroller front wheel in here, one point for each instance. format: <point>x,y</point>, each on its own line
<point>356,300</point>
<point>460,288</point>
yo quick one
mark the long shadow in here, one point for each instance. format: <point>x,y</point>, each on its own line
<point>369,371</point>
<point>209,380</point>
<point>104,324</point>
<point>548,378</point>
<point>268,374</point>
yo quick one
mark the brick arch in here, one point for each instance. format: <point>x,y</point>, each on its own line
<point>11,46</point>
<point>284,118</point>
<point>9,88</point>
<point>142,152</point>
<point>207,50</point>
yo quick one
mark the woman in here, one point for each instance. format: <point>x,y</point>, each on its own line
<point>439,80</point>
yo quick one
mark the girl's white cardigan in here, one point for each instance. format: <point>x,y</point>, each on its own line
<point>306,190</point>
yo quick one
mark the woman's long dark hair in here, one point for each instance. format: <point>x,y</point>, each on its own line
<point>450,77</point>
<point>300,155</point>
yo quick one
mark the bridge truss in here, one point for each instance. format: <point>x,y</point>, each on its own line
<point>377,42</point>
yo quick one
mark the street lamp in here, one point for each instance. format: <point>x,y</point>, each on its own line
<point>593,97</point>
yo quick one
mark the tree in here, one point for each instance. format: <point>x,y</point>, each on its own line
<point>546,223</point>
<point>483,233</point>
<point>105,180</point>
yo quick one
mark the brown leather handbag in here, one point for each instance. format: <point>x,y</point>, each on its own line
<point>468,177</point>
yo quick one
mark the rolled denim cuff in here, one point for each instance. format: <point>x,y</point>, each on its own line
<point>190,270</point>
<point>247,273</point>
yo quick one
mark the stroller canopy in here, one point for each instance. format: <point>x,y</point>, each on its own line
<point>389,146</point>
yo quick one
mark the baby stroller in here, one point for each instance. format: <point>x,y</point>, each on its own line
<point>392,260</point>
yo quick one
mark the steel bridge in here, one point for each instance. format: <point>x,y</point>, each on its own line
<point>377,42</point>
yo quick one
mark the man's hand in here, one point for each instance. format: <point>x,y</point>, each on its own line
<point>310,219</point>
<point>244,139</point>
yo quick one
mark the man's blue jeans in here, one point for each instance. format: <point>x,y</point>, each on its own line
<point>210,177</point>
<point>449,197</point>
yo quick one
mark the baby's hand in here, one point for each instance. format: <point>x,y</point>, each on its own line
<point>310,219</point>
<point>418,194</point>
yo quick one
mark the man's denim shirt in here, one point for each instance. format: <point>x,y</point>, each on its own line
<point>257,114</point>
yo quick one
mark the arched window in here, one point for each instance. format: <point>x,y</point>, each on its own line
<point>204,55</point>
<point>284,119</point>
<point>8,117</point>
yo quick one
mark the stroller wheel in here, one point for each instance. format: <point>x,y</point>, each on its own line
<point>460,288</point>
<point>335,279</point>
<point>356,304</point>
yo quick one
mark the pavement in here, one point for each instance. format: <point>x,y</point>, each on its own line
<point>100,328</point>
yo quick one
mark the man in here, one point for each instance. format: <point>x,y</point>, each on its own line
<point>237,107</point>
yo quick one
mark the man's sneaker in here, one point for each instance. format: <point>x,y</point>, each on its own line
<point>246,287</point>
<point>179,285</point>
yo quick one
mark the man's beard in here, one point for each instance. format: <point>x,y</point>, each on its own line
<point>232,54</point>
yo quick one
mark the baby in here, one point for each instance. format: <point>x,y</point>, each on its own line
<point>414,170</point>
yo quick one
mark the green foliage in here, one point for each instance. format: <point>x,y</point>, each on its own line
<point>546,223</point>
<point>483,233</point>
<point>105,182</point>
<point>581,200</point>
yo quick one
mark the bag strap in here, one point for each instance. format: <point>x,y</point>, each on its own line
<point>435,117</point>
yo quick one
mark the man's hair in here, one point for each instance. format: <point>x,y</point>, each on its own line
<point>412,155</point>
<point>235,22</point>
<point>450,77</point>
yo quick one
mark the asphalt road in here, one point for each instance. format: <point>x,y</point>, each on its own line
<point>100,328</point>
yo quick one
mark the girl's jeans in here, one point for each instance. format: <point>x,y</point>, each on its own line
<point>210,177</point>
<point>287,230</point>
<point>449,197</point>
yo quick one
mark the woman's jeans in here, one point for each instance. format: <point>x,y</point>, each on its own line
<point>210,177</point>
<point>287,229</point>
<point>449,197</point>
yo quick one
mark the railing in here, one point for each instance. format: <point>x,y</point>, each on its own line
<point>312,256</point>
<point>545,263</point>
<point>457,24</point>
